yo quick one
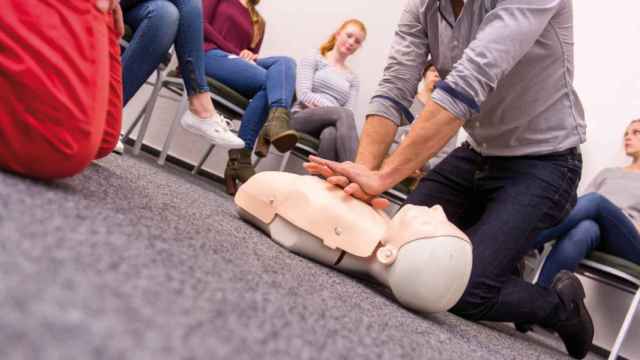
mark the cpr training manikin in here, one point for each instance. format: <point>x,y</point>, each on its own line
<point>419,254</point>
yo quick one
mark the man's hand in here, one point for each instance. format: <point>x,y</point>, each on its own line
<point>356,180</point>
<point>113,6</point>
<point>248,55</point>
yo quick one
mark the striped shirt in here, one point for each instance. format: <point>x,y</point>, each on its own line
<point>323,84</point>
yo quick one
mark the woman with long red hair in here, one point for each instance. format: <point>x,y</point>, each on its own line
<point>327,92</point>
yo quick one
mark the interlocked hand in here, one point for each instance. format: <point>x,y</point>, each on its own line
<point>356,180</point>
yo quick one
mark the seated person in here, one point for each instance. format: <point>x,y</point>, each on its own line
<point>327,92</point>
<point>430,77</point>
<point>422,257</point>
<point>233,32</point>
<point>606,218</point>
<point>157,25</point>
<point>60,82</point>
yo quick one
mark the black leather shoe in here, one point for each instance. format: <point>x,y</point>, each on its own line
<point>576,330</point>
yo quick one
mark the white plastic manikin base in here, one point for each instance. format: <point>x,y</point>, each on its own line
<point>423,258</point>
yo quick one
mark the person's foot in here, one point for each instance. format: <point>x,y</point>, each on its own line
<point>576,330</point>
<point>119,149</point>
<point>278,132</point>
<point>215,129</point>
<point>239,169</point>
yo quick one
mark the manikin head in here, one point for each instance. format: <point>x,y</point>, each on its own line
<point>419,254</point>
<point>347,39</point>
<point>632,140</point>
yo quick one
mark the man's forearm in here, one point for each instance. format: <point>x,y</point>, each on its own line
<point>377,137</point>
<point>428,135</point>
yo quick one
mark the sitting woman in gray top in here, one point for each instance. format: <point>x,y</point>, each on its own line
<point>327,91</point>
<point>606,218</point>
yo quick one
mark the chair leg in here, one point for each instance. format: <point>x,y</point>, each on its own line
<point>285,160</point>
<point>147,115</point>
<point>135,122</point>
<point>203,159</point>
<point>625,326</point>
<point>182,107</point>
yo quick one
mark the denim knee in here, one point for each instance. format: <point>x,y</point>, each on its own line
<point>584,237</point>
<point>165,17</point>
<point>288,62</point>
<point>593,198</point>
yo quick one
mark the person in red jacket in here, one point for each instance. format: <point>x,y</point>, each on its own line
<point>60,81</point>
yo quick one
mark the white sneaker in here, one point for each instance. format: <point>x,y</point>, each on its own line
<point>119,149</point>
<point>214,129</point>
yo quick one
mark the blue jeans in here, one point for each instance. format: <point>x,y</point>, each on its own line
<point>269,83</point>
<point>595,223</point>
<point>157,24</point>
<point>502,204</point>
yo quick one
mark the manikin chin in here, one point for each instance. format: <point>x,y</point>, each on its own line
<point>419,254</point>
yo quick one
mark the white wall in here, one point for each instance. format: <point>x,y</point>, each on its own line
<point>607,79</point>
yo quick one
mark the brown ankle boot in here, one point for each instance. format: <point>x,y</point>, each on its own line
<point>239,169</point>
<point>278,132</point>
<point>262,145</point>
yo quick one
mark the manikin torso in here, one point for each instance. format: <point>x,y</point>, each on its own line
<point>422,257</point>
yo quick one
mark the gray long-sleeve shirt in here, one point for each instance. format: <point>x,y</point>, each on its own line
<point>507,67</point>
<point>621,187</point>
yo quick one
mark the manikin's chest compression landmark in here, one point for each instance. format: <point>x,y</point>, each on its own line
<point>419,254</point>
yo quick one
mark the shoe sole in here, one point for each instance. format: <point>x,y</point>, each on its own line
<point>285,141</point>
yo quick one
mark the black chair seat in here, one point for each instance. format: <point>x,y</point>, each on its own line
<point>615,262</point>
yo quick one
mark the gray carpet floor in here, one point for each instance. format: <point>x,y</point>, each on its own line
<point>132,261</point>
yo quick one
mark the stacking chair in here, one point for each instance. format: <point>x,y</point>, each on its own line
<point>145,113</point>
<point>621,274</point>
<point>143,118</point>
<point>613,271</point>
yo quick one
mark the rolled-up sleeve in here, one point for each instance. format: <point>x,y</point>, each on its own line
<point>504,37</point>
<point>407,59</point>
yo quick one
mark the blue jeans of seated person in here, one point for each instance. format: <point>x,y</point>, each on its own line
<point>502,204</point>
<point>269,83</point>
<point>157,24</point>
<point>595,223</point>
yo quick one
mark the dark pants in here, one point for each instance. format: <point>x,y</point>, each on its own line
<point>334,126</point>
<point>502,204</point>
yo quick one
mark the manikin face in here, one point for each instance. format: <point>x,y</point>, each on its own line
<point>349,40</point>
<point>632,140</point>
